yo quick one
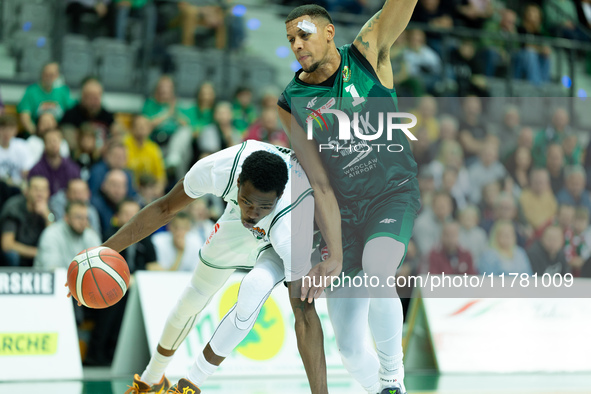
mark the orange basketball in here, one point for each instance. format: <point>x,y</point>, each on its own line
<point>98,277</point>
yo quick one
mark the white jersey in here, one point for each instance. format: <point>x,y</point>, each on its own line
<point>231,245</point>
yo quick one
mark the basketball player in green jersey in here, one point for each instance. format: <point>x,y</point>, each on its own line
<point>366,200</point>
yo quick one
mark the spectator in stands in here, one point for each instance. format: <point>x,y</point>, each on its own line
<point>267,129</point>
<point>449,257</point>
<point>205,103</point>
<point>113,192</point>
<point>565,218</point>
<point>140,254</point>
<point>508,131</point>
<point>171,125</point>
<point>77,8</point>
<point>473,130</point>
<point>556,132</point>
<point>448,185</point>
<point>562,19</point>
<point>532,62</point>
<point>136,8</point>
<point>176,248</point>
<point>429,223</point>
<point>6,191</point>
<point>426,114</point>
<point>422,62</point>
<point>448,130</point>
<point>490,194</point>
<point>87,153</point>
<point>574,192</point>
<point>495,53</point>
<point>13,153</point>
<point>35,144</point>
<point>89,110</point>
<point>77,191</point>
<point>426,187</point>
<point>48,95</point>
<point>57,169</point>
<point>473,238</point>
<point>149,190</point>
<point>143,155</point>
<point>269,97</point>
<point>23,219</point>
<point>163,111</point>
<point>555,166</point>
<point>573,151</point>
<point>220,134</point>
<point>505,208</point>
<point>547,254</point>
<point>406,85</point>
<point>486,169</point>
<point>114,158</point>
<point>519,166</point>
<point>504,255</point>
<point>65,238</point>
<point>201,223</point>
<point>473,13</point>
<point>537,202</point>
<point>451,155</point>
<point>1,106</point>
<point>466,70</point>
<point>421,148</point>
<point>437,14</point>
<point>244,112</point>
<point>577,249</point>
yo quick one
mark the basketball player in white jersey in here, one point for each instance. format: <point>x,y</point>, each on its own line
<point>254,232</point>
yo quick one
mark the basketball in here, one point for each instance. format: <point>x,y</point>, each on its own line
<point>98,277</point>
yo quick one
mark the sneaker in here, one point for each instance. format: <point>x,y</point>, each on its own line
<point>396,388</point>
<point>184,386</point>
<point>140,387</point>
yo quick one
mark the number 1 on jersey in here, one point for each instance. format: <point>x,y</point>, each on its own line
<point>356,99</point>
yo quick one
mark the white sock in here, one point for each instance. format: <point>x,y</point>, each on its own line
<point>201,370</point>
<point>375,389</point>
<point>155,369</point>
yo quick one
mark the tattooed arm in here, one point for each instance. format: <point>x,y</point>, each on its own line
<point>379,34</point>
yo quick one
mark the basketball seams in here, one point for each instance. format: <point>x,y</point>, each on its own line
<point>96,283</point>
<point>116,276</point>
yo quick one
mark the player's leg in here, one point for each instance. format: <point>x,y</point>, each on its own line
<point>349,321</point>
<point>385,309</point>
<point>254,291</point>
<point>387,232</point>
<point>205,282</point>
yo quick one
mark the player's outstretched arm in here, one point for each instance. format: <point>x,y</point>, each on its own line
<point>380,32</point>
<point>326,207</point>
<point>150,218</point>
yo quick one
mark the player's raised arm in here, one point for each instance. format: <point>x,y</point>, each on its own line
<point>379,33</point>
<point>150,218</point>
<point>326,207</point>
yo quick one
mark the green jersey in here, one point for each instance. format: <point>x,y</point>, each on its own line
<point>37,101</point>
<point>358,168</point>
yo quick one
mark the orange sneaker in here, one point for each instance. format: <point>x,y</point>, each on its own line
<point>184,386</point>
<point>140,387</point>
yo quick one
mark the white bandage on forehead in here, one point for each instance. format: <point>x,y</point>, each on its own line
<point>307,26</point>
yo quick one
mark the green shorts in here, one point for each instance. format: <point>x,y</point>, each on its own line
<point>387,215</point>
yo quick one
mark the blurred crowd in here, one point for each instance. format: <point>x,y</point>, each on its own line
<point>501,196</point>
<point>72,172</point>
<point>203,23</point>
<point>498,195</point>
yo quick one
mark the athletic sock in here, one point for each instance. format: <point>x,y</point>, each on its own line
<point>155,369</point>
<point>201,370</point>
<point>391,370</point>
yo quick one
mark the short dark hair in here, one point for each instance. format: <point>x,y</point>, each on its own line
<point>266,171</point>
<point>75,203</point>
<point>7,121</point>
<point>312,10</point>
<point>125,201</point>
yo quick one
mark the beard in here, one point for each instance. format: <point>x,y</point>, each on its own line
<point>312,68</point>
